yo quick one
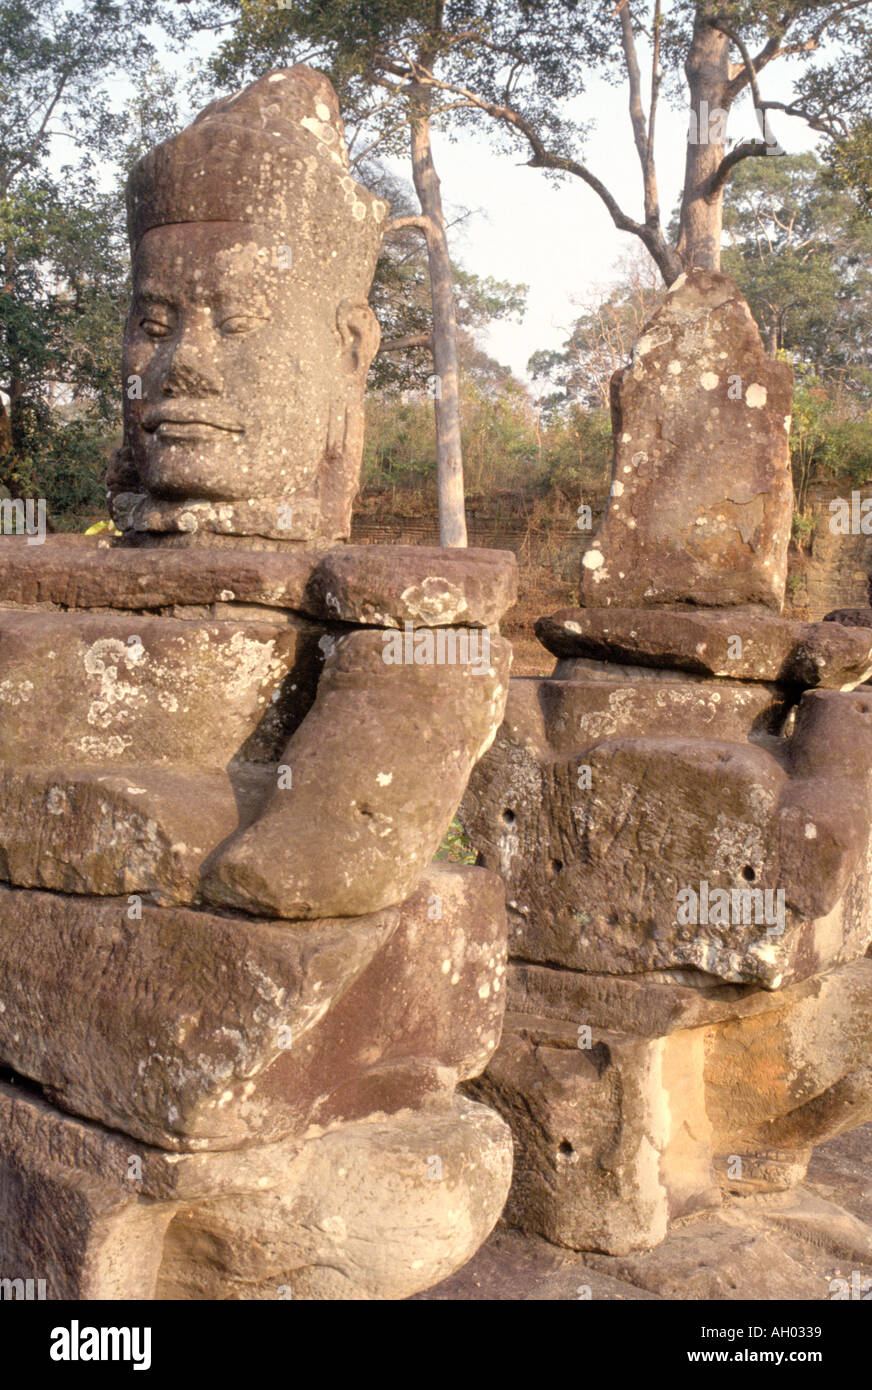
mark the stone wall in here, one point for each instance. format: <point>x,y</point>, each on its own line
<point>832,572</point>
<point>839,566</point>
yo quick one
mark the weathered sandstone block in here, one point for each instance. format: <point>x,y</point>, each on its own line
<point>378,771</point>
<point>385,586</point>
<point>739,645</point>
<point>599,851</point>
<point>377,1209</point>
<point>118,830</point>
<point>206,1032</point>
<point>701,502</point>
<point>220,705</point>
<point>373,1210</point>
<point>616,1134</point>
<point>119,690</point>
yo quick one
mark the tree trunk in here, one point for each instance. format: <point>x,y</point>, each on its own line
<point>708,71</point>
<point>5,436</point>
<point>449,456</point>
<point>14,386</point>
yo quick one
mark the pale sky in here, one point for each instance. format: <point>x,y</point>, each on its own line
<point>559,239</point>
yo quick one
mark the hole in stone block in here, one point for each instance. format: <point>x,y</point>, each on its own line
<point>557,866</point>
<point>749,873</point>
<point>509,817</point>
<point>565,1148</point>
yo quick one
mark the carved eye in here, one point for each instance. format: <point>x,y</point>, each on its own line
<point>237,324</point>
<point>155,328</point>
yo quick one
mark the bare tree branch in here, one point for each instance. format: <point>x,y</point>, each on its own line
<point>759,107</point>
<point>655,92</point>
<point>834,125</point>
<point>748,149</point>
<point>412,340</point>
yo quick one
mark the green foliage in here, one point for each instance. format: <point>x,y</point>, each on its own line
<point>825,440</point>
<point>601,338</point>
<point>63,259</point>
<point>849,161</point>
<point>578,453</point>
<point>802,527</point>
<point>498,427</point>
<point>848,449</point>
<point>455,848</point>
<point>400,295</point>
<point>500,448</point>
<point>801,252</point>
<point>491,47</point>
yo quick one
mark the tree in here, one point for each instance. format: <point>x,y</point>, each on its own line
<point>401,299</point>
<point>601,338</point>
<point>62,252</point>
<point>702,54</point>
<point>801,252</point>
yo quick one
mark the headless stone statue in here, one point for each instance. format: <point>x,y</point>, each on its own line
<point>230,748</point>
<point>681,816</point>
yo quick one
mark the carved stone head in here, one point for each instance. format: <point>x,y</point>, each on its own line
<point>249,335</point>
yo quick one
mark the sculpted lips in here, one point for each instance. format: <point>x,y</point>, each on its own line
<point>178,423</point>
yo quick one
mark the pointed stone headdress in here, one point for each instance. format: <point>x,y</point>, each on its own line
<point>274,155</point>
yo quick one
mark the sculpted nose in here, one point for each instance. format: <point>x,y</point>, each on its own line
<point>192,370</point>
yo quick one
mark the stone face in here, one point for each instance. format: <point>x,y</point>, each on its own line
<point>377,773</point>
<point>701,502</point>
<point>205,1032</point>
<point>256,1099</point>
<point>271,228</point>
<point>740,645</point>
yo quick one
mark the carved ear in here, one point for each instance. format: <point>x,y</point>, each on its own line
<point>360,334</point>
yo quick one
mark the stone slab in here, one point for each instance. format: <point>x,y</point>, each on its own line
<point>381,586</point>
<point>558,717</point>
<point>797,1246</point>
<point>375,1210</point>
<point>378,1209</point>
<point>153,1020</point>
<point>145,829</point>
<point>617,1135</point>
<point>739,644</point>
<point>598,851</point>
